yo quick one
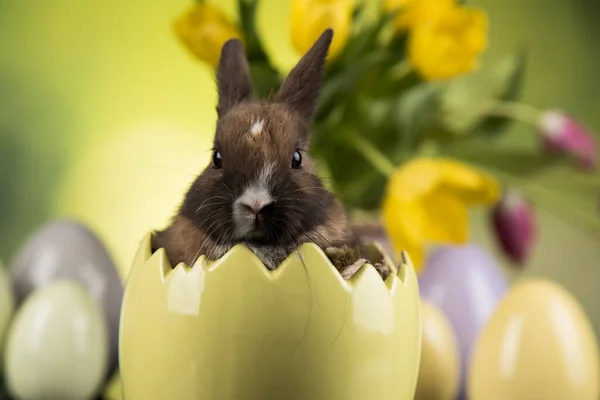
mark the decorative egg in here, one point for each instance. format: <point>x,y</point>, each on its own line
<point>466,284</point>
<point>6,305</point>
<point>439,373</point>
<point>56,347</point>
<point>66,249</point>
<point>539,344</point>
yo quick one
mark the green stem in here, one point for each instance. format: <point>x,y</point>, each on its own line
<point>247,12</point>
<point>370,153</point>
<point>400,71</point>
<point>517,111</point>
<point>541,195</point>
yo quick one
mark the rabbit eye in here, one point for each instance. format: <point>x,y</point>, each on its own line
<point>296,160</point>
<point>217,160</point>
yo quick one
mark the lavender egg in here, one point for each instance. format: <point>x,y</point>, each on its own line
<point>66,249</point>
<point>466,284</point>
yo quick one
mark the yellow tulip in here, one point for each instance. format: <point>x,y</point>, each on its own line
<point>446,40</point>
<point>426,202</point>
<point>311,17</point>
<point>404,8</point>
<point>204,28</point>
<point>410,11</point>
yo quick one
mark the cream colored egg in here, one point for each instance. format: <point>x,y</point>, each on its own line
<point>56,347</point>
<point>7,305</point>
<point>439,373</point>
<point>539,344</point>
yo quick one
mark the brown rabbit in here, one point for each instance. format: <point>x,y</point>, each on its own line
<point>260,188</point>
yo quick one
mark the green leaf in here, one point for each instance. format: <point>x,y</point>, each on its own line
<point>254,48</point>
<point>365,42</point>
<point>343,87</point>
<point>390,124</point>
<point>548,181</point>
<point>568,196</point>
<point>516,161</point>
<point>515,73</point>
<point>356,182</point>
<point>397,45</point>
<point>465,99</point>
<point>265,79</point>
<point>417,111</point>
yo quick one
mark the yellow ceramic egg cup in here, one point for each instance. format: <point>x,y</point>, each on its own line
<point>231,329</point>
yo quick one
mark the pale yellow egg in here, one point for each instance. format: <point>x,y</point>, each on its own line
<point>57,345</point>
<point>539,344</point>
<point>439,373</point>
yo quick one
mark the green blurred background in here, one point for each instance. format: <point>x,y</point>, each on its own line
<point>104,116</point>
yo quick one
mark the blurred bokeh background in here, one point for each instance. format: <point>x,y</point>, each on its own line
<point>101,110</point>
<point>104,117</point>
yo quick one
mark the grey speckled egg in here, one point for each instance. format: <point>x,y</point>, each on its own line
<point>66,249</point>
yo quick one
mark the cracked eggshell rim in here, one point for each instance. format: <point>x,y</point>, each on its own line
<point>232,329</point>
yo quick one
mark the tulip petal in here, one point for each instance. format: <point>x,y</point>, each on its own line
<point>203,29</point>
<point>417,256</point>
<point>422,175</point>
<point>414,179</point>
<point>404,221</point>
<point>471,185</point>
<point>513,220</point>
<point>309,18</point>
<point>445,39</point>
<point>562,134</point>
<point>447,218</point>
<point>426,202</point>
<point>404,225</point>
<point>404,8</point>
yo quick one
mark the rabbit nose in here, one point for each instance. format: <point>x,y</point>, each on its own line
<point>255,207</point>
<point>253,202</point>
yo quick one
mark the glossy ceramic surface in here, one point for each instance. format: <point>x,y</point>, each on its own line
<point>66,249</point>
<point>56,347</point>
<point>538,345</point>
<point>232,329</point>
<point>466,284</point>
<point>439,374</point>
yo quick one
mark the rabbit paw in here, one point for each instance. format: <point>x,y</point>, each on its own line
<point>347,260</point>
<point>383,269</point>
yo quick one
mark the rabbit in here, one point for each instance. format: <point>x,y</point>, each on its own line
<point>261,188</point>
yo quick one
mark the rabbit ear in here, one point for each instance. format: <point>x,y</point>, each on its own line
<point>300,90</point>
<point>233,77</point>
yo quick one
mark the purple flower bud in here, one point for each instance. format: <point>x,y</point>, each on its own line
<point>513,220</point>
<point>562,134</point>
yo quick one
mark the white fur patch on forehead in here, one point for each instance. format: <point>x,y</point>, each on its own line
<point>257,127</point>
